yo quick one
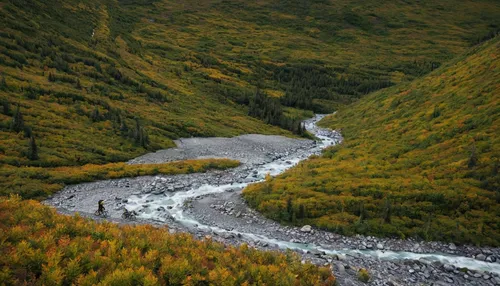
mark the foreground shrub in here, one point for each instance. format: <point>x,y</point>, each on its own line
<point>38,246</point>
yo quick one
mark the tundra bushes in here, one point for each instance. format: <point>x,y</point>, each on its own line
<point>418,160</point>
<point>38,246</point>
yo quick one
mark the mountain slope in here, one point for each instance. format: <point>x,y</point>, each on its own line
<point>105,81</point>
<point>420,159</point>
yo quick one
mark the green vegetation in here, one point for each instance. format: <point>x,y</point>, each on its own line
<point>419,160</point>
<point>87,84</point>
<point>38,182</point>
<point>38,246</point>
<point>119,78</point>
<point>363,275</point>
<point>81,99</point>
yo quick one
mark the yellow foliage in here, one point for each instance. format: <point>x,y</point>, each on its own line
<point>418,160</point>
<point>38,182</point>
<point>72,250</point>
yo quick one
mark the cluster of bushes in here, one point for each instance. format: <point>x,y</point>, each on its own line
<point>305,82</point>
<point>39,182</point>
<point>17,125</point>
<point>38,246</point>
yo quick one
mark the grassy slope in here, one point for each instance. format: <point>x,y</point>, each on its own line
<point>341,47</point>
<point>61,122</point>
<point>41,247</point>
<point>419,159</point>
<point>183,69</point>
<point>199,55</point>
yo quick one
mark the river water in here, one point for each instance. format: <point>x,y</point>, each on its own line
<point>168,206</point>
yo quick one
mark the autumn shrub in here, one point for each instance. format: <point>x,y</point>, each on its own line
<point>363,275</point>
<point>38,182</point>
<point>39,246</point>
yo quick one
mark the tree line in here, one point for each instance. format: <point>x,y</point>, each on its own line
<point>269,110</point>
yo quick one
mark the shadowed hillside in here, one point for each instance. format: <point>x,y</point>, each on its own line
<point>419,159</point>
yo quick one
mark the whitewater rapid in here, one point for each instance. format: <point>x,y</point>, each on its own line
<point>167,206</point>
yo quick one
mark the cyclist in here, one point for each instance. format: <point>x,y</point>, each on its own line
<point>100,207</point>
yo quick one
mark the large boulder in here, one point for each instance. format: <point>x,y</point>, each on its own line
<point>306,228</point>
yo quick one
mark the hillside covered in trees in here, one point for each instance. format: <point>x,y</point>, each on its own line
<point>104,81</point>
<point>418,160</point>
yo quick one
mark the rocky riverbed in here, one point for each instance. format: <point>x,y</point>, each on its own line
<point>209,206</point>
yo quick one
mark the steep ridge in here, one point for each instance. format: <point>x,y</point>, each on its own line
<point>419,159</point>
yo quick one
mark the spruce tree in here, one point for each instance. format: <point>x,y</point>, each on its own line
<point>137,132</point>
<point>33,149</point>
<point>6,107</point>
<point>302,211</point>
<point>140,135</point>
<point>144,138</point>
<point>362,212</point>
<point>387,211</point>
<point>95,116</point>
<point>3,84</point>
<point>28,132</point>
<point>473,159</point>
<point>17,123</point>
<point>289,209</point>
<point>123,126</point>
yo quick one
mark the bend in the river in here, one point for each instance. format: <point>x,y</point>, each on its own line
<point>190,201</point>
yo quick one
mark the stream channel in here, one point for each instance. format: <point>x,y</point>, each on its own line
<point>209,206</point>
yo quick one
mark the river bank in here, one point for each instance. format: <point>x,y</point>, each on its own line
<point>209,206</point>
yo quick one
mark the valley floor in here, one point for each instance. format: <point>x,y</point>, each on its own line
<point>209,206</point>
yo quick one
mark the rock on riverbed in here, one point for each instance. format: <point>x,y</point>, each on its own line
<point>209,206</point>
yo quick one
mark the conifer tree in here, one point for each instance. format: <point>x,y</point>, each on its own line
<point>145,139</point>
<point>289,209</point>
<point>27,132</point>
<point>302,211</point>
<point>473,157</point>
<point>362,213</point>
<point>123,126</point>
<point>17,123</point>
<point>137,132</point>
<point>33,149</point>
<point>5,107</point>
<point>436,113</point>
<point>95,116</point>
<point>140,136</point>
<point>3,84</point>
<point>387,211</point>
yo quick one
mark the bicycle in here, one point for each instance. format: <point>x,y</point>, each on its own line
<point>103,213</point>
<point>131,215</point>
